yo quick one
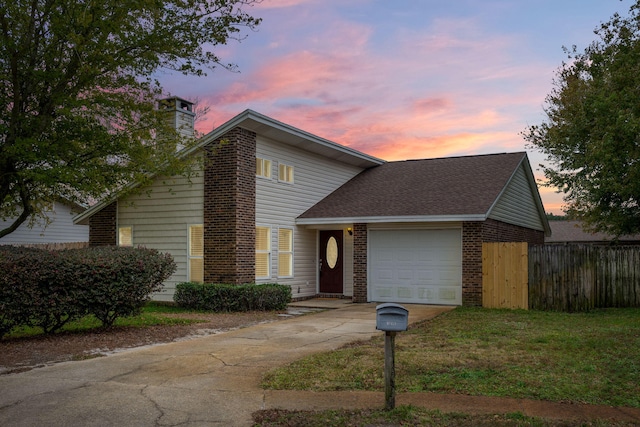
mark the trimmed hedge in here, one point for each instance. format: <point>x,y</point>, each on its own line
<point>47,289</point>
<point>231,298</point>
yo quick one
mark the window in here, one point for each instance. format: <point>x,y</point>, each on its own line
<point>196,253</point>
<point>125,236</point>
<point>263,167</point>
<point>285,252</point>
<point>263,252</point>
<point>285,173</point>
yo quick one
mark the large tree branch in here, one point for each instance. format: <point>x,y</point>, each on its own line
<point>27,210</point>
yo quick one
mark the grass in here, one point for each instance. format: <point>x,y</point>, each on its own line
<point>410,416</point>
<point>153,313</point>
<point>581,357</point>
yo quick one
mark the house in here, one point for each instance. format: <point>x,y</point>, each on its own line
<point>57,228</point>
<point>573,232</point>
<point>277,204</point>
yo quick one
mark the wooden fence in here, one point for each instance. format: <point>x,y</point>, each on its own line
<point>504,275</point>
<point>572,277</point>
<point>579,277</point>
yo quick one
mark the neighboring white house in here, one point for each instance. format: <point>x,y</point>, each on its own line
<point>59,228</point>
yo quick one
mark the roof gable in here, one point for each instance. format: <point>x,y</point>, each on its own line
<point>520,202</point>
<point>287,134</point>
<point>444,189</point>
<point>272,129</point>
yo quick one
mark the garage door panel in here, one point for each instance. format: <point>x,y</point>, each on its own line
<point>381,293</point>
<point>404,255</point>
<point>384,274</point>
<point>404,292</point>
<point>447,294</point>
<point>424,277</point>
<point>449,276</point>
<point>416,266</point>
<point>405,275</point>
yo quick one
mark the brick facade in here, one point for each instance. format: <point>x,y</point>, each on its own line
<point>359,262</point>
<point>229,208</point>
<point>103,226</point>
<point>496,231</point>
<point>472,263</point>
<point>473,235</point>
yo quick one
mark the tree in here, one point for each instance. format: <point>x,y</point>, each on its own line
<point>591,135</point>
<point>78,116</point>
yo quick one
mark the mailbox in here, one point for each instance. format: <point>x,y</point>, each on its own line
<point>391,317</point>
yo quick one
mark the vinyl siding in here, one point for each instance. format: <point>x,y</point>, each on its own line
<point>60,230</point>
<point>517,204</point>
<point>278,204</point>
<point>160,220</point>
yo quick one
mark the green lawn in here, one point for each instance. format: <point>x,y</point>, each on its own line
<point>581,357</point>
<point>153,313</point>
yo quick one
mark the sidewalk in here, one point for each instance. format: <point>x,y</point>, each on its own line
<point>319,401</point>
<point>214,380</point>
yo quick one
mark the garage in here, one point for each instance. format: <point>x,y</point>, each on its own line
<point>415,266</point>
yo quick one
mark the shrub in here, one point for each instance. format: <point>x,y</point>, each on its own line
<point>47,289</point>
<point>35,289</point>
<point>116,281</point>
<point>230,298</point>
<point>14,298</point>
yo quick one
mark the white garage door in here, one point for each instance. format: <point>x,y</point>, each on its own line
<point>415,266</point>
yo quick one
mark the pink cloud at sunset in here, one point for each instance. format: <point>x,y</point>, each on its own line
<point>416,79</point>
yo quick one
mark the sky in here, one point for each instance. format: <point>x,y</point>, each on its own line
<point>402,79</point>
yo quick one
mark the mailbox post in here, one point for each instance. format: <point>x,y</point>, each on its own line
<point>390,318</point>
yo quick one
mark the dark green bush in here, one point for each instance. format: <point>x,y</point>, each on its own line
<point>117,282</point>
<point>35,289</point>
<point>15,299</point>
<point>49,288</point>
<point>232,298</point>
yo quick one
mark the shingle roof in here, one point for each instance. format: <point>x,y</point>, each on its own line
<point>452,186</point>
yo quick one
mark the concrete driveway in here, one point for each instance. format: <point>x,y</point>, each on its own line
<point>206,381</point>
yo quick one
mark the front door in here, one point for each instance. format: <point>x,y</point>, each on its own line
<point>330,261</point>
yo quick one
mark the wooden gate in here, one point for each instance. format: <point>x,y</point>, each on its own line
<point>505,278</point>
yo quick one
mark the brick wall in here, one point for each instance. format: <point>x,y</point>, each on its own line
<point>103,227</point>
<point>229,208</point>
<point>496,231</point>
<point>359,262</point>
<point>472,263</point>
<point>473,235</point>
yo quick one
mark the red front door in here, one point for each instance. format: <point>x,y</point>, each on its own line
<point>331,261</point>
